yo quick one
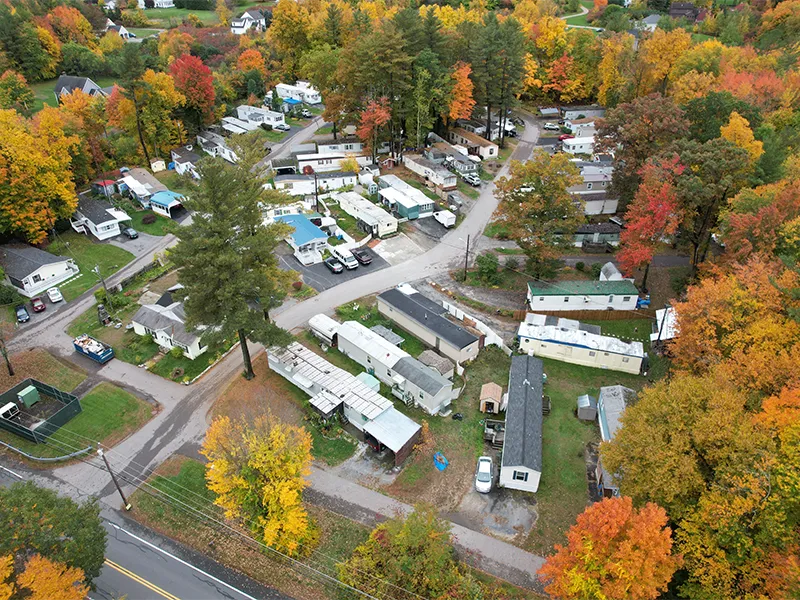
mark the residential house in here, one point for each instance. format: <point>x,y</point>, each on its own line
<point>165,322</point>
<point>578,145</point>
<point>104,187</point>
<point>684,10</point>
<point>272,211</point>
<point>582,127</point>
<point>334,390</point>
<point>665,326</point>
<point>167,204</point>
<point>479,127</point>
<point>406,206</point>
<point>597,235</point>
<point>427,320</point>
<point>393,181</point>
<point>237,126</point>
<point>578,343</point>
<point>258,116</point>
<point>158,4</point>
<point>650,23</point>
<point>307,185</point>
<point>32,271</point>
<point>140,185</point>
<point>593,188</point>
<point>120,29</point>
<point>301,91</point>
<point>521,462</point>
<point>328,161</point>
<point>341,144</point>
<point>582,295</point>
<point>185,161</point>
<point>67,84</point>
<point>444,366</point>
<point>411,381</point>
<point>307,240</point>
<point>580,112</point>
<point>452,157</point>
<point>370,218</point>
<point>611,406</point>
<point>215,145</point>
<point>474,143</point>
<point>97,217</point>
<point>430,171</point>
<point>251,19</point>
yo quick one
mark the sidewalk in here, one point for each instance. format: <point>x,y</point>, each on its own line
<point>366,506</point>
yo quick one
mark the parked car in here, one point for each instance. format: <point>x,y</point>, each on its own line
<point>361,255</point>
<point>551,126</point>
<point>565,136</point>
<point>55,295</point>
<point>484,475</point>
<point>38,305</point>
<point>130,233</point>
<point>306,113</point>
<point>22,314</point>
<point>334,266</point>
<point>472,179</point>
<point>281,127</point>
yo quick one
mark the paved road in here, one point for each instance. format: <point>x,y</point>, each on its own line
<point>285,147</point>
<point>141,565</point>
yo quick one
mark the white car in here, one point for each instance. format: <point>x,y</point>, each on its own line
<point>55,295</point>
<point>484,475</point>
<point>472,179</point>
<point>552,127</point>
<point>282,127</point>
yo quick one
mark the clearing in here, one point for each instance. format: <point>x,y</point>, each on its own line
<point>182,184</point>
<point>45,95</point>
<point>172,17</point>
<point>41,365</point>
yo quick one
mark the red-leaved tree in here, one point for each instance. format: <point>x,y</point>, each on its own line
<point>653,214</point>
<point>193,79</point>
<point>371,120</point>
<point>613,551</point>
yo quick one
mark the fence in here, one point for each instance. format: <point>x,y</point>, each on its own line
<point>491,338</point>
<point>39,432</point>
<point>591,315</point>
<point>127,280</point>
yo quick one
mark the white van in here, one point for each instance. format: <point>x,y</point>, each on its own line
<point>344,256</point>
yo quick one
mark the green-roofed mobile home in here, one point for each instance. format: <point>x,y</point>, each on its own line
<point>583,295</point>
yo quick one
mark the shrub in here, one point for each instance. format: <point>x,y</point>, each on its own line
<point>266,127</point>
<point>580,266</point>
<point>176,352</point>
<point>488,264</point>
<point>512,264</point>
<point>149,219</point>
<point>596,268</point>
<point>8,295</point>
<point>297,285</point>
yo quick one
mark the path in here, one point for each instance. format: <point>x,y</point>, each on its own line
<point>584,11</point>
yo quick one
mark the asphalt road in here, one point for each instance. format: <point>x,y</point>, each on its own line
<point>321,278</point>
<point>140,565</point>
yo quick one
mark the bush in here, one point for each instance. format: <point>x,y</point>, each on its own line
<point>197,4</point>
<point>266,127</point>
<point>512,264</point>
<point>596,268</point>
<point>580,266</point>
<point>148,219</point>
<point>8,295</point>
<point>488,264</point>
<point>176,352</point>
<point>297,285</point>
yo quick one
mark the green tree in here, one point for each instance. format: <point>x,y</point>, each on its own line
<point>130,69</point>
<point>333,25</point>
<point>511,70</point>
<point>227,255</point>
<point>488,265</point>
<point>15,91</point>
<point>486,65</point>
<point>38,520</point>
<point>708,114</point>
<point>537,210</point>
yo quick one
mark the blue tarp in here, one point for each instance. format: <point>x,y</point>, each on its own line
<point>439,461</point>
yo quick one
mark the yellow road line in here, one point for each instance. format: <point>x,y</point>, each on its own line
<point>150,586</point>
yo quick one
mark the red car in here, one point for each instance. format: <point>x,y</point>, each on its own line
<point>565,136</point>
<point>38,305</point>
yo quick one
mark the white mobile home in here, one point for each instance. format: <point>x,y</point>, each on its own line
<point>573,342</point>
<point>328,161</point>
<point>257,115</point>
<point>297,184</point>
<point>216,145</point>
<point>474,143</point>
<point>340,144</point>
<point>302,91</point>
<point>430,171</point>
<point>32,271</point>
<point>307,240</point>
<point>185,161</point>
<point>369,217</point>
<point>521,463</point>
<point>98,217</point>
<point>583,295</point>
<point>611,404</point>
<point>579,145</point>
<point>568,113</point>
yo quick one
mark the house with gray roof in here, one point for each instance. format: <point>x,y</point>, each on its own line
<point>521,462</point>
<point>611,405</point>
<point>67,84</point>
<point>98,217</point>
<point>427,320</point>
<point>33,271</point>
<point>165,322</point>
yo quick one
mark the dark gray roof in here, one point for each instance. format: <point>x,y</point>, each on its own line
<point>389,335</point>
<point>94,209</point>
<point>523,443</point>
<point>254,14</point>
<point>19,261</point>
<point>166,318</point>
<point>604,227</point>
<point>70,83</point>
<point>423,377</point>
<point>166,298</point>
<point>185,155</point>
<point>429,314</point>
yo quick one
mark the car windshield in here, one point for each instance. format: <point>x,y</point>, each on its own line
<point>484,471</point>
<point>484,477</point>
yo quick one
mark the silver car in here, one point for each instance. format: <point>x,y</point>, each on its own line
<point>484,475</point>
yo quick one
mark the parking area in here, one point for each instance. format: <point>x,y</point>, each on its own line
<point>319,277</point>
<point>35,317</point>
<point>426,232</point>
<point>141,245</point>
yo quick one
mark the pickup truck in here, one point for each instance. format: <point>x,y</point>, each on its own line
<point>94,349</point>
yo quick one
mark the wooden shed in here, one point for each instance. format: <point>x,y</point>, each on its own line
<point>491,398</point>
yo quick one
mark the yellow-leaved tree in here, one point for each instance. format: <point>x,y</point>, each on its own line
<point>41,579</point>
<point>257,470</point>
<point>738,131</point>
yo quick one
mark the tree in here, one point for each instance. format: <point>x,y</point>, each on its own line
<point>36,185</point>
<point>130,69</point>
<point>653,215</point>
<point>194,81</point>
<point>738,132</point>
<point>71,26</point>
<point>488,264</point>
<point>174,43</point>
<point>709,113</point>
<point>226,256</point>
<point>111,42</point>
<point>257,470</point>
<point>350,165</point>
<point>536,208</point>
<point>613,551</point>
<point>77,60</point>
<point>615,84</point>
<point>223,13</point>
<point>485,62</point>
<point>660,52</point>
<point>289,34</point>
<point>252,60</point>
<point>376,114</point>
<point>15,92</point>
<point>461,101</point>
<point>39,520</point>
<point>635,132</point>
<point>45,579</point>
<point>414,553</point>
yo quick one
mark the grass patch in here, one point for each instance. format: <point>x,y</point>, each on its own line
<point>142,32</point>
<point>162,225</point>
<point>467,189</point>
<point>497,230</point>
<point>169,17</point>
<point>167,364</point>
<point>45,95</point>
<point>86,255</point>
<point>43,366</point>
<point>326,130</point>
<point>109,415</point>
<point>510,251</point>
<point>273,135</point>
<point>506,280</point>
<point>182,184</point>
<point>346,222</point>
<point>332,451</point>
<point>367,314</point>
<point>578,20</point>
<point>304,292</point>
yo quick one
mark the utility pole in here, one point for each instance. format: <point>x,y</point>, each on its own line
<point>105,287</point>
<point>4,352</point>
<point>466,259</point>
<point>316,191</point>
<point>125,502</point>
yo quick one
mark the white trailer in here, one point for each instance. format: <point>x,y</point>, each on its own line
<point>446,218</point>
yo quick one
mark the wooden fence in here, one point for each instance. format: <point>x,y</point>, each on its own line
<point>592,315</point>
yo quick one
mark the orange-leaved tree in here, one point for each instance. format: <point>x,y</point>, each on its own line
<point>613,551</point>
<point>257,470</point>
<point>370,122</point>
<point>461,100</point>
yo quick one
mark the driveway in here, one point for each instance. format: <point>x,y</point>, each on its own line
<point>321,279</point>
<point>144,243</point>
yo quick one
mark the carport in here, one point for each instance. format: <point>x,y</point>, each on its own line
<point>395,431</point>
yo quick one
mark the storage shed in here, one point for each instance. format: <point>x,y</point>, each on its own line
<point>491,398</point>
<point>587,408</point>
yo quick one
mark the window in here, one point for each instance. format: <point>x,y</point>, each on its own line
<point>611,298</point>
<point>520,476</point>
<point>541,299</point>
<point>566,299</point>
<point>348,146</point>
<point>626,298</point>
<point>603,184</point>
<point>626,359</point>
<point>421,395</point>
<point>589,186</point>
<point>369,360</point>
<point>37,278</point>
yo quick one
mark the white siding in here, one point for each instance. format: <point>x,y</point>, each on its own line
<point>581,356</point>
<point>46,277</point>
<point>577,302</point>
<point>508,479</point>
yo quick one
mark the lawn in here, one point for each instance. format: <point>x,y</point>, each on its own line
<point>506,280</point>
<point>41,365</point>
<point>273,135</point>
<point>142,32</point>
<point>496,229</point>
<point>184,479</point>
<point>182,184</point>
<point>326,130</point>
<point>167,17</point>
<point>167,364</point>
<point>423,188</point>
<point>87,255</point>
<point>366,312</point>
<point>467,189</point>
<point>45,95</point>
<point>109,415</point>
<point>345,222</point>
<point>578,20</point>
<point>161,226</point>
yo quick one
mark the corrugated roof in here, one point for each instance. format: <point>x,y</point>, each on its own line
<point>389,335</point>
<point>371,343</point>
<point>583,288</point>
<point>523,440</point>
<point>573,333</point>
<point>304,230</point>
<point>392,429</point>
<point>610,407</point>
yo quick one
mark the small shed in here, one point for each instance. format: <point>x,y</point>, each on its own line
<point>442,365</point>
<point>491,398</point>
<point>587,408</point>
<point>369,381</point>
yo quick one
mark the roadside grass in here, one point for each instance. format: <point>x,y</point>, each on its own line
<point>303,293</point>
<point>162,225</point>
<point>326,130</point>
<point>506,280</point>
<point>497,230</point>
<point>86,255</point>
<point>45,95</point>
<point>339,536</point>
<point>273,135</point>
<point>510,251</point>
<point>142,32</point>
<point>41,365</point>
<point>109,415</point>
<point>168,364</point>
<point>467,189</point>
<point>367,314</point>
<point>182,184</point>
